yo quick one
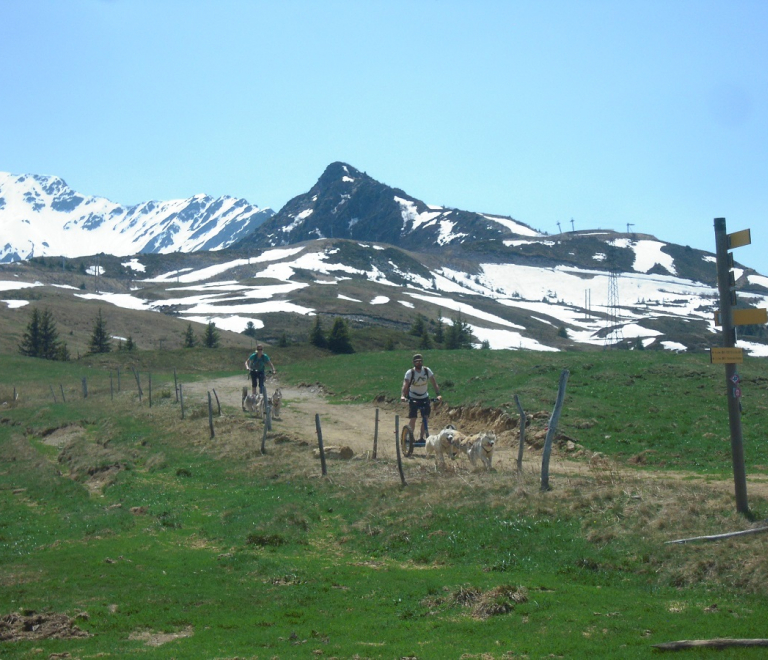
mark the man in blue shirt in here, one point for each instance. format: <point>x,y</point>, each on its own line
<point>256,364</point>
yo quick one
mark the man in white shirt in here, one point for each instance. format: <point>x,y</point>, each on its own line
<point>416,390</point>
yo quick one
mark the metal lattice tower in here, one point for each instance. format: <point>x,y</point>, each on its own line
<point>615,334</point>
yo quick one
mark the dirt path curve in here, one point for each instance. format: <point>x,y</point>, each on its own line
<point>353,426</point>
<point>350,425</point>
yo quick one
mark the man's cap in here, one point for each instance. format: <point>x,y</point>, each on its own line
<point>259,346</point>
<point>417,357</point>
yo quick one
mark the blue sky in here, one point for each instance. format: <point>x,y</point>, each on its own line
<point>610,113</point>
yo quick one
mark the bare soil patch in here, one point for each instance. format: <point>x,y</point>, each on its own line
<point>17,627</point>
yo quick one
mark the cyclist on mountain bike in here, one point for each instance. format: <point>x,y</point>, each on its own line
<point>416,390</point>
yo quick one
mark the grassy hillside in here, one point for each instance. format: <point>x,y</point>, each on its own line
<point>155,539</point>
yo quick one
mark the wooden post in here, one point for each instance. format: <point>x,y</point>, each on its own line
<point>181,399</point>
<point>552,430</point>
<point>52,393</point>
<point>218,405</point>
<point>15,394</point>
<point>85,388</point>
<point>264,440</point>
<point>376,434</point>
<point>118,379</point>
<point>210,414</point>
<point>722,243</point>
<point>138,382</point>
<point>61,387</point>
<point>111,388</point>
<point>150,389</point>
<point>320,444</point>
<point>522,435</point>
<point>397,447</point>
<point>175,384</point>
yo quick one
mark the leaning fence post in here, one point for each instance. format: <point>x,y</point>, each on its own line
<point>522,435</point>
<point>210,414</point>
<point>52,393</point>
<point>111,388</point>
<point>552,430</point>
<point>175,384</point>
<point>118,379</point>
<point>376,433</point>
<point>138,382</point>
<point>397,447</point>
<point>85,387</point>
<point>320,444</point>
<point>15,394</point>
<point>264,440</point>
<point>150,389</point>
<point>61,387</point>
<point>181,399</point>
<point>217,402</point>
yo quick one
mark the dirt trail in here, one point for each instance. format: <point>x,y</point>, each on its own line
<point>353,426</point>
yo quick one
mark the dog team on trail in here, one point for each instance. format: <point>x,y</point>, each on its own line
<point>415,390</point>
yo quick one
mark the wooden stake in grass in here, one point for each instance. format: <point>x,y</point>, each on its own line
<point>118,379</point>
<point>218,405</point>
<point>150,389</point>
<point>210,414</point>
<point>15,394</point>
<point>175,384</point>
<point>552,430</point>
<point>264,440</point>
<point>397,448</point>
<point>138,382</point>
<point>111,388</point>
<point>52,393</point>
<point>85,387</point>
<point>320,444</point>
<point>181,400</point>
<point>376,433</point>
<point>61,387</point>
<point>522,435</point>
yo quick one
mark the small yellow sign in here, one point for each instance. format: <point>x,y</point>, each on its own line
<point>746,317</point>
<point>739,238</point>
<point>726,355</point>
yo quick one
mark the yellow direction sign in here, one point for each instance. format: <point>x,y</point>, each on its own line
<point>726,355</point>
<point>739,238</point>
<point>746,317</point>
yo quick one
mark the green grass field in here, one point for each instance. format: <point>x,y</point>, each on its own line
<point>161,543</point>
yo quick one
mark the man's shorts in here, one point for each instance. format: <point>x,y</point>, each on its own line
<point>257,379</point>
<point>414,405</point>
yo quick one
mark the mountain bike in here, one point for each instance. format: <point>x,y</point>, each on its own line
<point>407,440</point>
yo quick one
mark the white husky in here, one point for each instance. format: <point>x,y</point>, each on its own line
<point>277,402</point>
<point>440,444</point>
<point>482,448</point>
<point>252,402</point>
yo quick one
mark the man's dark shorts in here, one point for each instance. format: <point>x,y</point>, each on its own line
<point>414,405</point>
<point>257,380</point>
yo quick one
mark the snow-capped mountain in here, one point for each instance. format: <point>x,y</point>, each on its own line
<point>347,203</point>
<point>43,216</point>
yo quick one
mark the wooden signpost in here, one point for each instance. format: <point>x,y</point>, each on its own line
<point>728,354</point>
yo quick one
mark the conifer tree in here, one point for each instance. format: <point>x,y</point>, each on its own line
<point>211,336</point>
<point>317,336</point>
<point>130,345</point>
<point>458,335</point>
<point>250,329</point>
<point>189,337</point>
<point>418,327</point>
<point>100,341</point>
<point>439,329</point>
<point>338,339</point>
<point>49,337</point>
<point>30,340</point>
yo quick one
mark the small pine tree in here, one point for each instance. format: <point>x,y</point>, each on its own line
<point>30,340</point>
<point>486,345</point>
<point>338,338</point>
<point>283,341</point>
<point>317,336</point>
<point>390,344</point>
<point>458,335</point>
<point>250,330</point>
<point>130,345</point>
<point>426,343</point>
<point>189,337</point>
<point>419,326</point>
<point>100,341</point>
<point>49,336</point>
<point>211,336</point>
<point>439,330</point>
